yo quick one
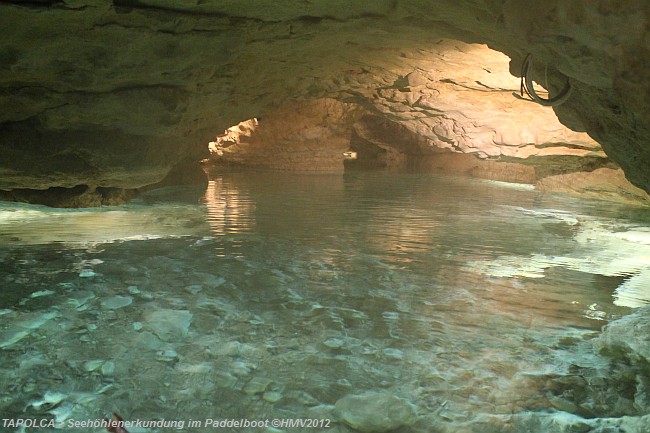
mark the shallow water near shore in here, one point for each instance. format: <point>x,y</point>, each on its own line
<point>274,295</point>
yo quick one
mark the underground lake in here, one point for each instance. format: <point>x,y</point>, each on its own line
<point>366,301</point>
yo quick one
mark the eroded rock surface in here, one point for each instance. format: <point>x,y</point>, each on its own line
<point>115,94</point>
<point>326,135</point>
<point>299,136</point>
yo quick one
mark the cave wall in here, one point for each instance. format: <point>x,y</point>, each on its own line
<point>329,136</point>
<point>307,136</point>
<point>113,94</point>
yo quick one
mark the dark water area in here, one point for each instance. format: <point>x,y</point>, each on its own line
<point>275,295</point>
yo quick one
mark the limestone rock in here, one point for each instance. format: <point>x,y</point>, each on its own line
<point>272,396</point>
<point>101,95</point>
<point>628,337</point>
<point>626,341</point>
<point>602,183</point>
<point>257,385</point>
<point>80,297</point>
<point>562,422</point>
<point>116,302</point>
<point>298,135</point>
<point>93,364</point>
<point>168,324</point>
<point>29,322</point>
<point>375,412</point>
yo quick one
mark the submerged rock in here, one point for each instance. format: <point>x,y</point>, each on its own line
<point>93,364</point>
<point>168,324</point>
<point>108,368</point>
<point>626,341</point>
<point>375,412</point>
<point>168,355</point>
<point>272,396</point>
<point>50,399</point>
<point>12,335</point>
<point>17,331</point>
<point>334,343</point>
<point>80,297</point>
<point>40,293</point>
<point>115,302</point>
<point>62,412</point>
<point>257,385</point>
<point>392,353</point>
<point>562,422</point>
<point>241,368</point>
<point>628,337</point>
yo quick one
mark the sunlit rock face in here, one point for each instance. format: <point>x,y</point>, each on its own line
<point>309,135</point>
<point>326,135</point>
<point>115,94</point>
<point>422,110</point>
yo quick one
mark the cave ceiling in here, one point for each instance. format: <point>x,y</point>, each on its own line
<point>116,93</point>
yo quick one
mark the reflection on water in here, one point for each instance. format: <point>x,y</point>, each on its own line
<point>275,295</point>
<point>230,211</point>
<point>32,224</point>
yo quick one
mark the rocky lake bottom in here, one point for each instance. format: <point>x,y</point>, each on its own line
<point>378,302</point>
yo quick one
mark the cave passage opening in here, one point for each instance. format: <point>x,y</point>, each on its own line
<point>452,108</point>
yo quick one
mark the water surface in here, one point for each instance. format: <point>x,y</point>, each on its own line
<point>273,295</point>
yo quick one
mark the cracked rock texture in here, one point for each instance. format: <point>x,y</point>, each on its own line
<point>114,94</point>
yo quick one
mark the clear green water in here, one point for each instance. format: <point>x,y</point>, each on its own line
<point>274,295</point>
